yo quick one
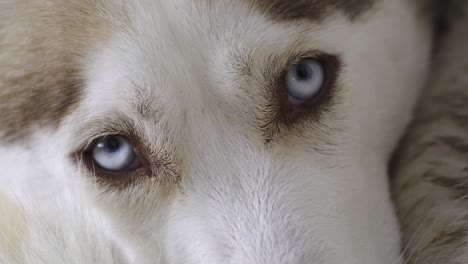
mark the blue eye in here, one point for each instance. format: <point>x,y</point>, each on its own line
<point>113,153</point>
<point>304,81</point>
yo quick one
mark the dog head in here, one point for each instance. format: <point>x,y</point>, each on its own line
<point>227,131</point>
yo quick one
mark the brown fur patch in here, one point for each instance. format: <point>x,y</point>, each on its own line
<point>314,10</point>
<point>425,8</point>
<point>41,48</point>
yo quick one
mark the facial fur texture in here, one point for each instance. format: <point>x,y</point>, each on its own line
<point>430,185</point>
<point>196,86</point>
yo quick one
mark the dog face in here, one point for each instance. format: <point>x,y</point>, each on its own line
<point>223,131</point>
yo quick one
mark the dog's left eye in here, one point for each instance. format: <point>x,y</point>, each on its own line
<point>113,153</point>
<point>304,81</point>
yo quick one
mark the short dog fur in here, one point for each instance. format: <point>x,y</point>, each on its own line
<point>229,172</point>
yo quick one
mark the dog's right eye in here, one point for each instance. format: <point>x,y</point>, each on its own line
<point>304,81</point>
<point>307,85</point>
<point>113,154</point>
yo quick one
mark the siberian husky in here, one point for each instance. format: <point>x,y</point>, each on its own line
<point>205,131</point>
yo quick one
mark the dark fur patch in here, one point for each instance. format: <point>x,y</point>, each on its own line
<point>36,98</point>
<point>41,47</point>
<point>315,10</point>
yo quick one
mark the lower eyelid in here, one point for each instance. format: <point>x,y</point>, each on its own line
<point>294,101</point>
<point>136,163</point>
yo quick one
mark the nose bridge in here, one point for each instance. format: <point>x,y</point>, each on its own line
<point>249,193</point>
<point>260,213</point>
<point>266,232</point>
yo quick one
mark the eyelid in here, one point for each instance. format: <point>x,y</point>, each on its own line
<point>90,130</point>
<point>295,58</point>
<point>86,145</point>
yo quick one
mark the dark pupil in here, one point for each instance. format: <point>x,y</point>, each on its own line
<point>303,72</point>
<point>111,144</point>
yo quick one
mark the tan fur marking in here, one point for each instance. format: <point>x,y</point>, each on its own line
<point>40,75</point>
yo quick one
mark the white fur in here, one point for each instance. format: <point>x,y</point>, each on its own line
<point>319,196</point>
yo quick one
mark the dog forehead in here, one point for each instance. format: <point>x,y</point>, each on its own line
<point>191,49</point>
<point>161,20</point>
<point>314,10</point>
